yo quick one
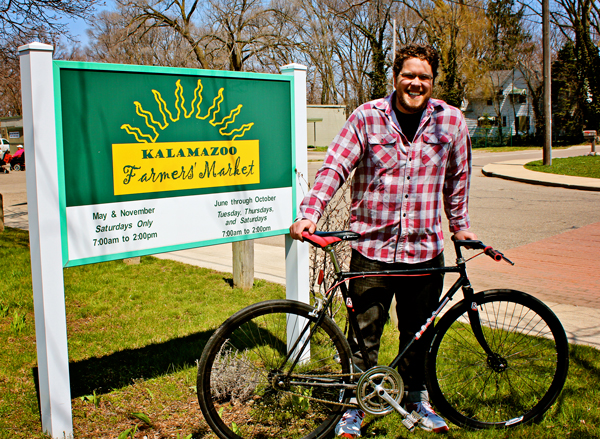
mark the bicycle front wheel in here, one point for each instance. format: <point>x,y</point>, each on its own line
<point>516,380</point>
<point>261,375</point>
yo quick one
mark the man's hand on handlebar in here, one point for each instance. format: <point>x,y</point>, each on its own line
<point>462,235</point>
<point>300,226</point>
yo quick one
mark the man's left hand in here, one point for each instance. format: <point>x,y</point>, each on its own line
<point>464,234</point>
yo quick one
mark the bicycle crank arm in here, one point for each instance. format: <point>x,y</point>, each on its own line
<point>410,419</point>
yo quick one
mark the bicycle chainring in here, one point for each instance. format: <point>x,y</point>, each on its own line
<point>368,397</point>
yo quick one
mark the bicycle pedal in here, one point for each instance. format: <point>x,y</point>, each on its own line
<point>414,417</point>
<point>408,424</point>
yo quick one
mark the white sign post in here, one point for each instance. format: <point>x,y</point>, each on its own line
<point>296,253</point>
<point>39,132</point>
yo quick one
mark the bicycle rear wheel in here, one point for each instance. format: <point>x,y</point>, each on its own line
<point>518,381</point>
<point>248,386</point>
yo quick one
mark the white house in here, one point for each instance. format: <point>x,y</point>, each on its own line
<point>502,104</point>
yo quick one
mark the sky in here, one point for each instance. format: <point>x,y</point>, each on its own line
<point>79,27</point>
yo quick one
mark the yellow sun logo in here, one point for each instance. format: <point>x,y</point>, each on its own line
<point>156,126</point>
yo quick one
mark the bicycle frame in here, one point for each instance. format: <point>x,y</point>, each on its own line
<point>340,282</point>
<point>462,282</point>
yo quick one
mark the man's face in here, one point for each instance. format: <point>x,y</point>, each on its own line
<point>413,86</point>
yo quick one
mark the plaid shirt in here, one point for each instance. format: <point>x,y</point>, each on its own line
<point>398,185</point>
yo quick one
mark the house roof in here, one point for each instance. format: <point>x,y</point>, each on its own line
<point>497,80</point>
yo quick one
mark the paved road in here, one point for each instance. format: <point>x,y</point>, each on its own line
<point>509,214</point>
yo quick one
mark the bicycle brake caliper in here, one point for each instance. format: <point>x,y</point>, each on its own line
<point>318,308</point>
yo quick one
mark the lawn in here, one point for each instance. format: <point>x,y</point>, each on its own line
<point>582,166</point>
<point>136,331</point>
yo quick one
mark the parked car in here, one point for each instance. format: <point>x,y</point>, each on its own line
<point>4,155</point>
<point>4,147</point>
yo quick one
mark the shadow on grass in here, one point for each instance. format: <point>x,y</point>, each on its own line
<point>121,368</point>
<point>586,358</point>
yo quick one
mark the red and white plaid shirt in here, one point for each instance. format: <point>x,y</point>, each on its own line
<point>398,186</point>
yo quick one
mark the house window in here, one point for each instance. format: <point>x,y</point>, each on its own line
<point>487,121</point>
<point>489,102</point>
<point>503,121</point>
<point>518,98</point>
<point>523,124</point>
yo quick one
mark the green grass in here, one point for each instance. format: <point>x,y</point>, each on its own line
<point>483,148</point>
<point>135,332</point>
<point>582,166</point>
<point>515,148</point>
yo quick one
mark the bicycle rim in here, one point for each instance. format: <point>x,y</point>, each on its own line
<point>522,378</point>
<point>244,389</point>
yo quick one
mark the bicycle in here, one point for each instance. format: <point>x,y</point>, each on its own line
<point>283,369</point>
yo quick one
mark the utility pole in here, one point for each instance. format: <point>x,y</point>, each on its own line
<point>547,84</point>
<point>393,41</point>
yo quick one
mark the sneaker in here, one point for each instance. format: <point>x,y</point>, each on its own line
<point>349,425</point>
<point>430,420</point>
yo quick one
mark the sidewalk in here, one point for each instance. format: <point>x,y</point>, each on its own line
<point>515,170</point>
<point>564,276</point>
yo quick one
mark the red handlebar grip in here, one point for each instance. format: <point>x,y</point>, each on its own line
<point>496,256</point>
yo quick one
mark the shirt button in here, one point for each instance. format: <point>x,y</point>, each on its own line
<point>406,196</point>
<point>404,215</point>
<point>408,178</point>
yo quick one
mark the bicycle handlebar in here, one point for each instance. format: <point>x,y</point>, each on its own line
<point>323,239</point>
<point>478,245</point>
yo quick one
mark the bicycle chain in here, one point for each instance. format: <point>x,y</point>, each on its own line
<point>325,401</point>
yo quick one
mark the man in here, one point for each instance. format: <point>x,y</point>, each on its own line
<point>410,153</point>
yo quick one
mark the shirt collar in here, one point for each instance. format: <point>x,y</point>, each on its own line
<point>385,105</point>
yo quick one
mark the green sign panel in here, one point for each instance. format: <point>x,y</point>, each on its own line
<point>157,159</point>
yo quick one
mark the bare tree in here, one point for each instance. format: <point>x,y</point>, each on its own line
<point>112,39</point>
<point>577,20</point>
<point>372,21</point>
<point>458,29</point>
<point>238,30</point>
<point>221,34</point>
<point>337,55</point>
<point>21,17</point>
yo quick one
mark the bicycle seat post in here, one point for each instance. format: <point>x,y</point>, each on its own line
<point>331,252</point>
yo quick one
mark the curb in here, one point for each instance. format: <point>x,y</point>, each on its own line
<point>514,170</point>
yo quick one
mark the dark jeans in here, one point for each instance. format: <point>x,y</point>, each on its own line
<point>416,298</point>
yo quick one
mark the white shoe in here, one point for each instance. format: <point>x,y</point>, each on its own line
<point>430,420</point>
<point>349,425</point>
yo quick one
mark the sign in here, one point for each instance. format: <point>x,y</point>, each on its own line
<point>161,159</point>
<point>71,181</point>
<point>14,135</point>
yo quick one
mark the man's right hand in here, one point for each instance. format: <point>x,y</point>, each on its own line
<point>298,227</point>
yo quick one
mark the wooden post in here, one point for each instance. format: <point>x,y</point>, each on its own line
<point>1,215</point>
<point>243,264</point>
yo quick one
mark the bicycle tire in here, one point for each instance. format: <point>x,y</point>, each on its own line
<point>477,391</point>
<point>238,392</point>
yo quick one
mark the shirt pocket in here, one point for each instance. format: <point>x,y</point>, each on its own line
<point>383,150</point>
<point>434,151</point>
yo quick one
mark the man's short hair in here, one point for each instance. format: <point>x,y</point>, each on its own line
<point>421,51</point>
